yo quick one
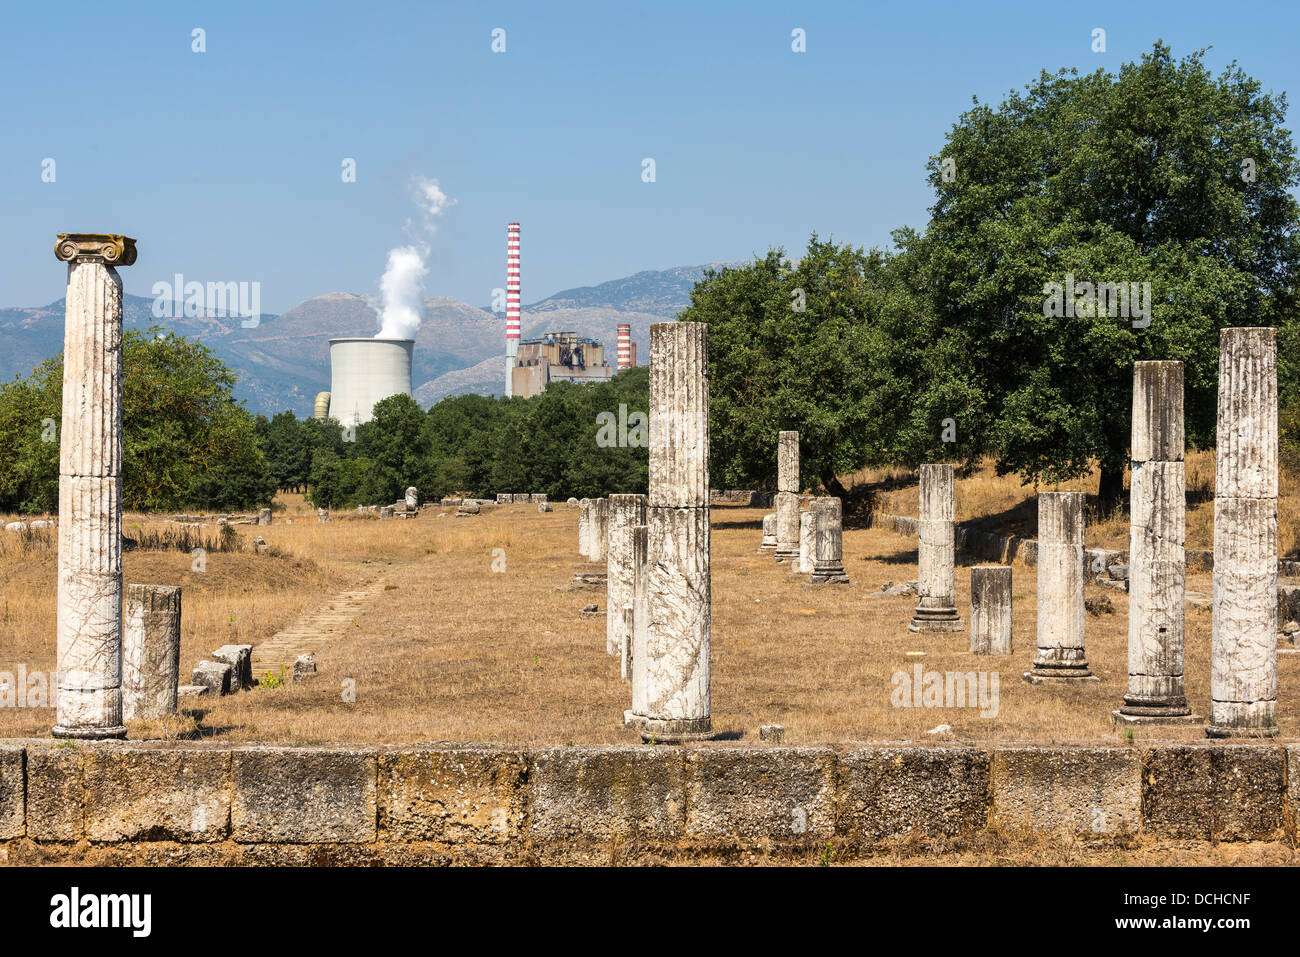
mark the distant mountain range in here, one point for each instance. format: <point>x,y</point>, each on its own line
<point>284,361</point>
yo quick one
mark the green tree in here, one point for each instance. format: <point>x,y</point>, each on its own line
<point>1162,174</point>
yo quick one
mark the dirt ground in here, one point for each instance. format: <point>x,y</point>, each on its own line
<point>450,649</point>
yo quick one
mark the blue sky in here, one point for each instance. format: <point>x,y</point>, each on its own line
<point>225,165</point>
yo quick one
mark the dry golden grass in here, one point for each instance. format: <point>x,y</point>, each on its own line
<point>1003,504</point>
<point>450,650</point>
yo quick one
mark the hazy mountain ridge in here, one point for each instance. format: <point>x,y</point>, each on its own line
<point>283,361</point>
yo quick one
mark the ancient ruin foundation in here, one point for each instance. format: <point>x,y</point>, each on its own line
<point>1060,590</point>
<point>1157,563</point>
<point>151,651</point>
<point>787,496</point>
<point>936,552</point>
<point>828,541</point>
<point>677,579</point>
<point>625,512</point>
<point>1243,667</point>
<point>990,610</point>
<point>89,699</point>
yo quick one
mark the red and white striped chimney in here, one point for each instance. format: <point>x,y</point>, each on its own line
<point>624,346</point>
<point>512,302</point>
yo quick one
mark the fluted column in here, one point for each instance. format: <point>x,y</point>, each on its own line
<point>1061,613</point>
<point>1243,666</point>
<point>89,700</point>
<point>990,610</point>
<point>936,609</point>
<point>625,512</point>
<point>1157,562</point>
<point>828,541</point>
<point>807,543</point>
<point>787,496</point>
<point>677,580</point>
<point>151,651</point>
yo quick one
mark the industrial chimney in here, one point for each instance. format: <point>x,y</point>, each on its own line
<point>512,303</point>
<point>624,346</point>
<point>363,371</point>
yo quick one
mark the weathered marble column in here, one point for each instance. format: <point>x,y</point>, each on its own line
<point>89,700</point>
<point>635,717</point>
<point>807,543</point>
<point>769,532</point>
<point>597,529</point>
<point>1060,590</point>
<point>625,512</point>
<point>787,496</point>
<point>151,651</point>
<point>828,541</point>
<point>1157,567</point>
<point>936,553</point>
<point>677,582</point>
<point>1243,665</point>
<point>990,610</point>
<point>584,526</point>
<point>264,516</point>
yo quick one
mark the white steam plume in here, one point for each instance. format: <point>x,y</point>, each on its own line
<point>401,289</point>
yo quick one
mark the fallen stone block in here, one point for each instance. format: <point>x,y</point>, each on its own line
<point>213,675</point>
<point>240,659</point>
<point>304,667</point>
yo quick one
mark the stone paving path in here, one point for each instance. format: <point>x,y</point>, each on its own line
<point>309,633</point>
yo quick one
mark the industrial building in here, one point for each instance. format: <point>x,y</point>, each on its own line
<point>557,357</point>
<point>363,371</point>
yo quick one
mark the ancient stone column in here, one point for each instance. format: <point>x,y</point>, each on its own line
<point>936,553</point>
<point>625,512</point>
<point>828,541</point>
<point>1061,572</point>
<point>677,582</point>
<point>990,610</point>
<point>412,499</point>
<point>264,516</point>
<point>1157,569</point>
<point>807,543</point>
<point>635,717</point>
<point>89,699</point>
<point>769,532</point>
<point>597,529</point>
<point>151,651</point>
<point>787,496</point>
<point>322,515</point>
<point>1243,665</point>
<point>584,525</point>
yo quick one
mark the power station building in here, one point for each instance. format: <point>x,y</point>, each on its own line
<point>363,371</point>
<point>557,357</point>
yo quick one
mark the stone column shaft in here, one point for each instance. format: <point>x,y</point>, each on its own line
<point>936,609</point>
<point>1243,667</point>
<point>1157,562</point>
<point>787,496</point>
<point>828,541</point>
<point>89,628</point>
<point>637,654</point>
<point>769,532</point>
<point>807,543</point>
<point>1061,614</point>
<point>625,512</point>
<point>990,610</point>
<point>598,529</point>
<point>677,579</point>
<point>151,651</point>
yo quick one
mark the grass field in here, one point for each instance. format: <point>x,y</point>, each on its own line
<point>448,649</point>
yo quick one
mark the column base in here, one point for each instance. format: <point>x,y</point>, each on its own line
<point>590,575</point>
<point>766,548</point>
<point>659,731</point>
<point>834,574</point>
<point>936,619</point>
<point>1185,716</point>
<point>787,554</point>
<point>636,722</point>
<point>1074,674</point>
<point>89,734</point>
<point>1222,731</point>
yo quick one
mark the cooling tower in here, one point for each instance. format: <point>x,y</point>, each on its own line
<point>363,371</point>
